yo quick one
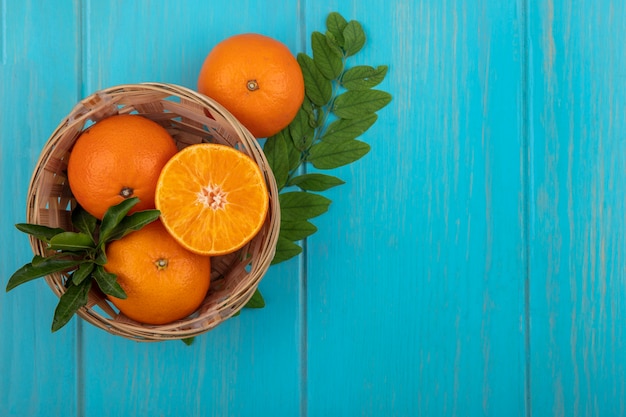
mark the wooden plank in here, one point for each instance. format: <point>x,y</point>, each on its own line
<point>38,86</point>
<point>416,278</point>
<point>577,249</point>
<point>251,364</point>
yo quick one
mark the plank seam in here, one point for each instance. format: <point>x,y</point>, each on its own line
<point>81,7</point>
<point>303,301</point>
<point>3,32</point>
<point>528,192</point>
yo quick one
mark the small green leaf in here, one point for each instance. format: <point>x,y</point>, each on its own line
<point>296,230</point>
<point>43,267</point>
<point>43,233</point>
<point>132,223</point>
<point>188,340</point>
<point>285,249</point>
<point>294,154</point>
<point>302,133</point>
<point>256,301</point>
<point>354,37</point>
<point>84,270</point>
<point>334,45</point>
<point>312,111</point>
<point>315,182</point>
<point>75,297</point>
<point>324,155</point>
<point>108,283</point>
<point>355,104</point>
<point>336,25</point>
<point>363,77</point>
<point>114,216</point>
<point>277,155</point>
<point>326,58</point>
<point>346,129</point>
<point>318,89</point>
<point>84,222</point>
<point>300,205</point>
<point>72,241</point>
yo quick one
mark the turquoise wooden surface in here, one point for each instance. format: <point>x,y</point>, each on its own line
<point>472,265</point>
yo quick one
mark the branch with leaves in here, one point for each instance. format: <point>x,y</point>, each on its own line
<point>340,105</point>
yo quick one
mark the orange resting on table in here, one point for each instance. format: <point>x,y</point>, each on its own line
<point>118,157</point>
<point>163,281</point>
<point>213,198</point>
<point>257,79</point>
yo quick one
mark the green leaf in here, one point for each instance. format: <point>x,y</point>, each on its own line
<point>300,205</point>
<point>325,155</point>
<point>277,155</point>
<point>336,25</point>
<point>108,283</point>
<point>302,133</point>
<point>43,267</point>
<point>363,77</point>
<point>84,222</point>
<point>188,340</point>
<point>355,104</point>
<point>43,233</point>
<point>354,37</point>
<point>285,249</point>
<point>133,222</point>
<point>114,216</point>
<point>312,111</point>
<point>256,301</point>
<point>72,241</point>
<point>318,89</point>
<point>326,58</point>
<point>74,298</point>
<point>84,270</point>
<point>333,44</point>
<point>315,182</point>
<point>296,230</point>
<point>294,154</point>
<point>346,129</point>
<point>38,260</point>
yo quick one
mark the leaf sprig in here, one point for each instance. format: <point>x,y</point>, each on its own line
<point>81,255</point>
<point>340,105</point>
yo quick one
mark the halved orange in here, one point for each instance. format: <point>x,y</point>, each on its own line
<point>213,198</point>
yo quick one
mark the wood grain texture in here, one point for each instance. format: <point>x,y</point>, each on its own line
<point>38,83</point>
<point>416,278</point>
<point>577,248</point>
<point>472,265</point>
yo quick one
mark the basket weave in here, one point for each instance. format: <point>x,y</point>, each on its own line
<point>190,118</point>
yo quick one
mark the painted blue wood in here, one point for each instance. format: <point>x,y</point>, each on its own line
<point>415,281</point>
<point>578,152</point>
<point>38,80</point>
<point>472,264</point>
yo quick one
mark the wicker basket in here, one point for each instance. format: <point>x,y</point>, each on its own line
<point>190,118</point>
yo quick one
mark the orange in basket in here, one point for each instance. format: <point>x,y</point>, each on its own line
<point>117,158</point>
<point>163,281</point>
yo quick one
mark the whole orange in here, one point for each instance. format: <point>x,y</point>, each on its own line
<point>163,281</point>
<point>257,79</point>
<point>117,158</point>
